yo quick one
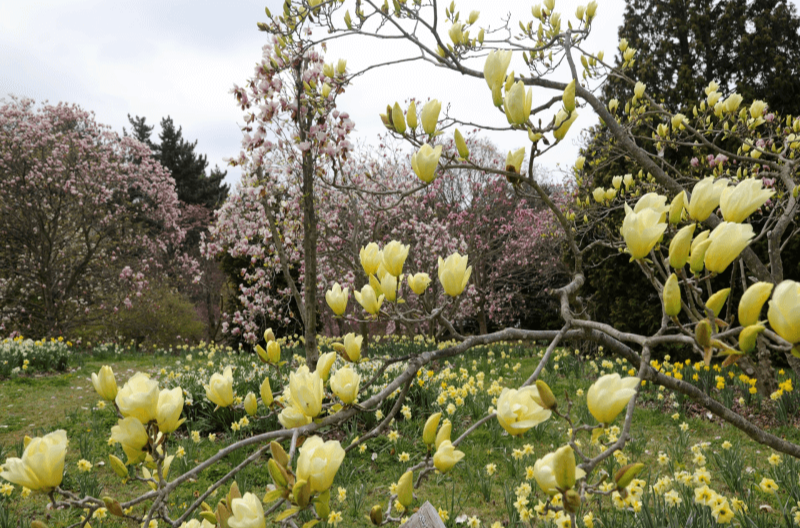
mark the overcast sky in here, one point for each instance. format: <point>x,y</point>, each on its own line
<point>181,58</point>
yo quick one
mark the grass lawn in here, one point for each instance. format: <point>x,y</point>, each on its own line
<point>34,404</point>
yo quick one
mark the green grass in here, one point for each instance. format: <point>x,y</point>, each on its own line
<point>36,404</point>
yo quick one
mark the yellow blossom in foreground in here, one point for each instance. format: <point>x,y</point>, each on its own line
<point>42,464</point>
<point>609,395</point>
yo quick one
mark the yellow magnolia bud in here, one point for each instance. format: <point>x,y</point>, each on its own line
<point>676,208</point>
<point>250,404</point>
<point>568,97</point>
<point>336,298</point>
<point>473,17</point>
<point>784,311</point>
<point>426,161</point>
<point>279,454</point>
<point>728,240</point>
<point>702,333</point>
<point>461,145</point>
<point>623,44</point>
<point>580,162</point>
<point>517,103</point>
<point>454,274</point>
<point>628,180</point>
<point>580,11</point>
<point>572,501</point>
<point>405,489</point>
<point>545,397</point>
<point>266,393</point>
<point>514,160</point>
<point>611,194</point>
<point>324,364</point>
<point>269,335</point>
<point>564,467</point>
<point>638,90</point>
<point>599,195</point>
<point>748,338</point>
<point>376,515</point>
<point>105,383</point>
<point>444,433</point>
<point>739,202</point>
<point>327,70</point>
<point>446,456</point>
<point>113,507</point>
<point>672,296</point>
<point>753,301</point>
<point>613,105</point>
<point>398,119</point>
<point>626,474</point>
<point>348,20</point>
<point>591,9</point>
<point>118,466</point>
<point>371,257</point>
<point>716,302</point>
<point>457,33</point>
<point>429,431</point>
<point>543,473</point>
<point>341,66</point>
<point>326,90</point>
<point>678,121</point>
<point>430,116</point>
<point>616,182</point>
<point>411,117</point>
<point>419,282</point>
<point>301,492</point>
<point>609,395</point>
<point>757,109</point>
<point>345,383</point>
<point>262,354</point>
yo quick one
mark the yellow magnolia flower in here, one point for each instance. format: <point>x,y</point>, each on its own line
<point>306,389</point>
<point>336,298</point>
<point>545,476</point>
<point>250,404</point>
<point>220,387</point>
<point>517,104</point>
<point>514,160</point>
<point>705,198</point>
<point>757,109</point>
<point>132,436</point>
<point>638,90</point>
<point>429,431</point>
<point>426,161</point>
<point>398,119</point>
<point>564,467</point>
<point>563,123</point>
<point>405,489</point>
<point>609,395</point>
<point>394,256</point>
<point>318,463</point>
<point>419,282</point>
<point>680,245</point>
<point>728,240</point>
<point>42,464</point>
<point>352,347</point>
<point>139,398</point>
<point>717,301</point>
<point>388,287</point>
<point>599,194</point>
<point>266,392</point>
<point>517,410</point>
<point>371,257</point>
<point>454,274</point>
<point>430,116</point>
<point>367,299</point>
<point>616,181</point>
<point>495,67</point>
<point>457,33</point>
<point>737,203</point>
<point>273,352</point>
<point>324,364</point>
<point>446,456</point>
<point>104,383</point>
<point>654,201</point>
<point>784,311</point>
<point>170,407</point>
<point>247,512</point>
<point>642,231</point>
<point>291,417</point>
<point>344,384</point>
<point>752,302</point>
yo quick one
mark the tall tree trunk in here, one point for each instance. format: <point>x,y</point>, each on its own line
<point>483,326</point>
<point>310,250</point>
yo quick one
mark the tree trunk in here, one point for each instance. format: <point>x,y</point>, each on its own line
<point>765,375</point>
<point>310,250</point>
<point>483,327</point>
<point>794,363</point>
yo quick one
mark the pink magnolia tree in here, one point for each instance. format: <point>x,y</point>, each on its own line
<point>86,219</point>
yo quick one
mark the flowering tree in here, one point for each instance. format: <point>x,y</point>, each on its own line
<point>85,217</point>
<point>680,248</point>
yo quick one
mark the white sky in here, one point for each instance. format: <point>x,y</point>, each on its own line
<point>180,58</point>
